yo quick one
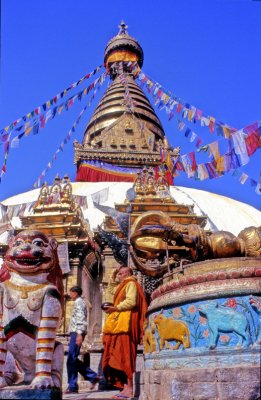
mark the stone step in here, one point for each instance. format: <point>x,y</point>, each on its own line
<point>93,395</point>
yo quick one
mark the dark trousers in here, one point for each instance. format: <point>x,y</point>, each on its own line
<point>74,365</point>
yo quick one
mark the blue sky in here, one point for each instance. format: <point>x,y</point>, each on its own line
<point>206,52</point>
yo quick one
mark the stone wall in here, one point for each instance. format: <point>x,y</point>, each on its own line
<point>234,383</point>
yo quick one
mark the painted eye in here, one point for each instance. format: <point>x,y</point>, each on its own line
<point>38,242</point>
<point>18,242</point>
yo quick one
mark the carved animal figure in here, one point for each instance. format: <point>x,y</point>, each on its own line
<point>171,329</point>
<point>149,340</point>
<point>222,319</point>
<point>30,312</point>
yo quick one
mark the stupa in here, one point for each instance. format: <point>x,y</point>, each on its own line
<point>122,186</point>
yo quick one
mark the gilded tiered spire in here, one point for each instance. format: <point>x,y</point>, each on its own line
<point>124,129</point>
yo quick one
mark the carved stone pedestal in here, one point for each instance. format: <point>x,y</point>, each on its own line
<point>203,334</point>
<point>25,393</point>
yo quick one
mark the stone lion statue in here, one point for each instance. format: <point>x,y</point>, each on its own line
<point>31,303</point>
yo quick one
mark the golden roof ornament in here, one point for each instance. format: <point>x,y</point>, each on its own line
<point>123,28</point>
<point>122,48</point>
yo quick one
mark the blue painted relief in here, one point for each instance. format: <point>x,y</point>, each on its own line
<point>230,322</point>
<point>222,319</point>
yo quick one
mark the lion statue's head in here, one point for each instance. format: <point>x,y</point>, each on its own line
<point>31,252</point>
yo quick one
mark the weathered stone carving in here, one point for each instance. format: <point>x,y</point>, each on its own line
<point>31,309</point>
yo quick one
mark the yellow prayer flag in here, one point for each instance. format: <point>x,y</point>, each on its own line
<point>214,150</point>
<point>169,162</point>
<point>165,98</point>
<point>226,131</point>
<point>220,164</point>
<point>28,130</point>
<point>190,114</point>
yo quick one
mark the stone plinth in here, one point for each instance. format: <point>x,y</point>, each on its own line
<point>236,383</point>
<point>25,393</point>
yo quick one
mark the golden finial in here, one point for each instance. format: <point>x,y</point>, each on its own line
<point>123,28</point>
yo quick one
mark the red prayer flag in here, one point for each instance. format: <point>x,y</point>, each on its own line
<point>179,108</point>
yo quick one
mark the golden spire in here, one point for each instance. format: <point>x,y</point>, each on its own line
<point>123,28</point>
<point>124,129</point>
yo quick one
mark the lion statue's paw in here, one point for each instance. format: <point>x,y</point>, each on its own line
<point>42,382</point>
<point>3,382</point>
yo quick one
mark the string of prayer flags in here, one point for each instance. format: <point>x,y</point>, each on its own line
<point>66,139</point>
<point>245,140</point>
<point>169,101</point>
<point>243,178</point>
<point>47,104</point>
<point>6,151</point>
<point>235,157</point>
<point>41,120</point>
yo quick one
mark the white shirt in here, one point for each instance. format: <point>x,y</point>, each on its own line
<point>78,321</point>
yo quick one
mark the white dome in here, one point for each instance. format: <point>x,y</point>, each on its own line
<point>223,213</point>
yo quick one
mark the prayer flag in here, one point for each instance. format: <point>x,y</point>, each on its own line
<point>258,189</point>
<point>240,146</point>
<point>193,137</point>
<point>243,178</point>
<point>101,196</point>
<point>220,164</point>
<point>36,129</point>
<point>198,142</point>
<point>211,170</point>
<point>253,182</point>
<point>212,124</point>
<point>253,141</point>
<point>181,125</point>
<point>15,142</point>
<point>202,172</point>
<point>204,121</point>
<point>226,131</point>
<point>198,114</point>
<point>214,150</point>
<point>179,108</point>
<point>187,132</point>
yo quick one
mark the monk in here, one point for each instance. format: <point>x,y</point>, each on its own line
<point>122,332</point>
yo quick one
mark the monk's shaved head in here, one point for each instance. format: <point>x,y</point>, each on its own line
<point>124,272</point>
<point>130,271</point>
